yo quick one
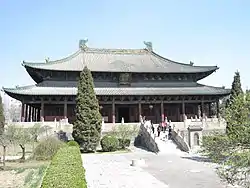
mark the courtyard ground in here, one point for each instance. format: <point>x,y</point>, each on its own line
<point>161,171</point>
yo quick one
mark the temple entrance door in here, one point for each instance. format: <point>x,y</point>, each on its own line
<point>123,112</point>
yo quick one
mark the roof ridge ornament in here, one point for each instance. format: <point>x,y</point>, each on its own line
<point>82,43</point>
<point>149,45</point>
<point>47,60</point>
<point>191,63</point>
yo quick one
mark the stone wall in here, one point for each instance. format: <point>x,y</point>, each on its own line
<point>192,130</point>
<point>180,142</point>
<point>51,127</point>
<point>146,140</point>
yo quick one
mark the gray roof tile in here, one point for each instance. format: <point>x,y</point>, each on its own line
<point>198,90</point>
<point>119,60</point>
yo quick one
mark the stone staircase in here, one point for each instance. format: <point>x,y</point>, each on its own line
<point>163,144</point>
<point>167,146</point>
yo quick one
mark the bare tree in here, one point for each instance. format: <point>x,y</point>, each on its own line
<point>4,141</point>
<point>21,136</point>
<point>35,131</point>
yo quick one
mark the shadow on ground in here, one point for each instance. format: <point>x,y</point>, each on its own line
<point>198,159</point>
<point>143,148</point>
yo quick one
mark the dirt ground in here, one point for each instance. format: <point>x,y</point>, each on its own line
<point>22,175</point>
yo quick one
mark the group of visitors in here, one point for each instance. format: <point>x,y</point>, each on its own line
<point>162,127</point>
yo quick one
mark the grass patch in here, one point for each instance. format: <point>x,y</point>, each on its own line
<point>29,177</point>
<point>37,176</point>
<point>20,170</point>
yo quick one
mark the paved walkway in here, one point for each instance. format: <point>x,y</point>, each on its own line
<point>114,171</point>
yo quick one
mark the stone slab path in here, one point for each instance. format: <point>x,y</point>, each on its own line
<point>114,171</point>
<point>161,171</point>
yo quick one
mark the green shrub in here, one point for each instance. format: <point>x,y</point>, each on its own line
<point>73,143</point>
<point>124,143</point>
<point>109,143</point>
<point>47,148</point>
<point>65,170</point>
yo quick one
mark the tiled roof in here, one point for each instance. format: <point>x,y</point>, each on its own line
<point>198,90</point>
<point>119,60</point>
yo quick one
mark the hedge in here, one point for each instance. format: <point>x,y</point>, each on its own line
<point>109,143</point>
<point>73,143</point>
<point>65,170</point>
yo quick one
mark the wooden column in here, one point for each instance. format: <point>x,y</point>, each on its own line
<point>33,114</point>
<point>42,110</point>
<point>183,110</point>
<point>26,113</point>
<point>139,109</point>
<point>162,112</point>
<point>65,113</point>
<point>218,108</point>
<point>209,109</point>
<point>38,117</point>
<point>22,112</point>
<point>113,110</point>
<point>202,108</point>
<point>29,119</point>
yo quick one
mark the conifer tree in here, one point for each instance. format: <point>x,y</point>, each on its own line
<point>236,87</point>
<point>2,119</point>
<point>236,91</point>
<point>87,126</point>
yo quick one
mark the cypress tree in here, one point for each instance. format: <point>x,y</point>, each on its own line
<point>236,87</point>
<point>236,92</point>
<point>87,126</point>
<point>2,119</point>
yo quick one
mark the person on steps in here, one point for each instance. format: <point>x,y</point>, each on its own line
<point>169,132</point>
<point>152,127</point>
<point>159,130</point>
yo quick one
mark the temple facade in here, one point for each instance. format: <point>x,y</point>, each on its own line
<point>129,84</point>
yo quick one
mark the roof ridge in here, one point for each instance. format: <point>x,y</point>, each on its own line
<point>171,61</point>
<point>222,87</point>
<point>20,87</point>
<point>55,61</point>
<point>116,50</point>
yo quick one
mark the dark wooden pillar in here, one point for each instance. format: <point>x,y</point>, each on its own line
<point>34,117</point>
<point>42,110</point>
<point>26,113</point>
<point>183,110</point>
<point>38,116</point>
<point>113,110</point>
<point>140,112</point>
<point>22,112</point>
<point>29,119</point>
<point>33,114</point>
<point>209,110</point>
<point>202,108</point>
<point>162,112</point>
<point>218,109</point>
<point>65,114</point>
